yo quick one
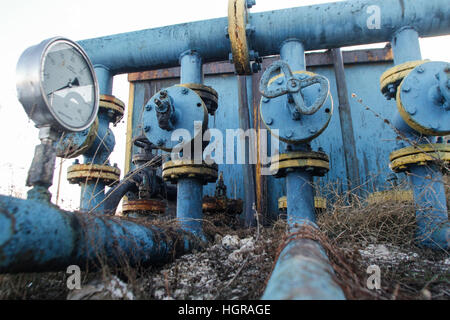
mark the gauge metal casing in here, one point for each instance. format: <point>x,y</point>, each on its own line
<point>30,85</point>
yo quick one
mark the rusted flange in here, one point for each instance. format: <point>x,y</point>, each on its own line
<point>391,78</point>
<point>177,169</point>
<point>315,162</point>
<point>81,173</point>
<point>320,203</point>
<point>420,155</point>
<point>213,204</point>
<point>114,106</point>
<point>237,23</point>
<point>209,96</point>
<point>390,196</point>
<point>143,206</point>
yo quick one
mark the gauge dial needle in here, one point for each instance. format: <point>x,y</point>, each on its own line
<point>71,83</point>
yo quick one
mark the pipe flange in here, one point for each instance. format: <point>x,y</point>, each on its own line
<point>114,106</point>
<point>209,96</point>
<point>320,203</point>
<point>82,173</point>
<point>238,32</point>
<point>391,78</point>
<point>423,99</point>
<point>317,163</point>
<point>420,155</point>
<point>189,113</point>
<point>213,205</point>
<point>177,169</point>
<point>382,197</point>
<point>143,206</point>
<point>282,124</point>
<point>142,157</point>
<point>74,144</point>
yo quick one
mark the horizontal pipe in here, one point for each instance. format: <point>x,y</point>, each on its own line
<point>38,237</point>
<point>303,272</point>
<point>324,26</point>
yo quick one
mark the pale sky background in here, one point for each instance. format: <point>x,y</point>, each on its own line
<point>24,23</point>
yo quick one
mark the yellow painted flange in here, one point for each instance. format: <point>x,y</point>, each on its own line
<point>116,106</point>
<point>237,22</point>
<point>177,169</point>
<point>209,96</point>
<point>421,155</point>
<point>396,74</point>
<point>81,173</point>
<point>142,205</point>
<point>73,151</point>
<point>319,203</point>
<point>390,195</point>
<point>317,162</point>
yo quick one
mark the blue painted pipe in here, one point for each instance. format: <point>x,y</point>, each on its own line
<point>38,237</point>
<point>433,227</point>
<point>189,204</point>
<point>302,271</point>
<point>190,190</point>
<point>324,26</point>
<point>300,198</point>
<point>93,191</point>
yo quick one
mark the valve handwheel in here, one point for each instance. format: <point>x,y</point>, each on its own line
<point>297,106</point>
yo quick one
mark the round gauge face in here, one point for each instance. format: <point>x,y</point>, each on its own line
<point>69,85</point>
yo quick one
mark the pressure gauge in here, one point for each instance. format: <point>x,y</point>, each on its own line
<point>57,86</point>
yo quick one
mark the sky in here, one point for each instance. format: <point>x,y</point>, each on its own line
<point>24,23</point>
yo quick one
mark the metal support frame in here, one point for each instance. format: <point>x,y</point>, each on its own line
<point>345,118</point>
<point>426,180</point>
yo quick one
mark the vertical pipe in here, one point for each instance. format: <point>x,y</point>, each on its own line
<point>190,190</point>
<point>428,188</point>
<point>433,228</point>
<point>303,270</point>
<point>248,169</point>
<point>300,198</point>
<point>293,52</point>
<point>406,46</point>
<point>345,118</point>
<point>93,190</point>
<point>191,67</point>
<point>189,204</point>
